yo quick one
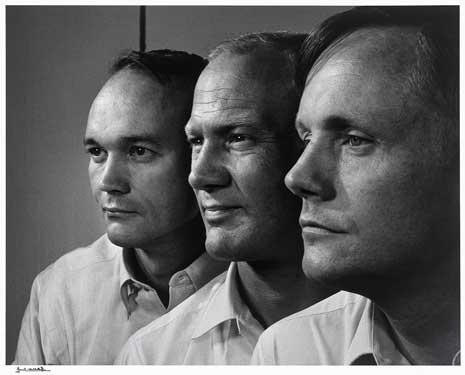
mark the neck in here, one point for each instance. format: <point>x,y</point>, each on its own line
<point>275,290</point>
<point>424,313</point>
<point>170,254</point>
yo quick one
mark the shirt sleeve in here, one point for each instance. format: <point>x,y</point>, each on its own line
<point>129,355</point>
<point>29,350</point>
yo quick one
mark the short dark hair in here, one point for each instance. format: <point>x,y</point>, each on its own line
<point>285,42</point>
<point>164,65</point>
<point>436,74</point>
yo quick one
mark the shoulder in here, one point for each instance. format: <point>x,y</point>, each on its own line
<point>339,304</point>
<point>153,343</point>
<point>335,304</point>
<point>77,263</point>
<point>289,340</point>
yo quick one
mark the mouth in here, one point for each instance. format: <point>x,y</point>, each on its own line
<point>313,227</point>
<point>115,212</point>
<point>217,213</point>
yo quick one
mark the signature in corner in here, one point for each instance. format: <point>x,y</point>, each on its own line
<point>31,369</point>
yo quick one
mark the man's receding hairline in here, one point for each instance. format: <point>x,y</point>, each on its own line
<point>176,85</point>
<point>266,61</point>
<point>353,39</point>
<point>148,91</point>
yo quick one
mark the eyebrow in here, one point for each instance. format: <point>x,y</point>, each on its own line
<point>223,128</point>
<point>139,138</point>
<point>336,123</point>
<point>89,141</point>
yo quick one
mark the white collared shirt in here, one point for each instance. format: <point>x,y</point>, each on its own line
<point>213,326</point>
<point>84,306</point>
<point>343,329</point>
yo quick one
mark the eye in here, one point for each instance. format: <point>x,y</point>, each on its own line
<point>194,141</point>
<point>140,153</point>
<point>241,141</point>
<point>358,144</point>
<point>97,154</point>
<point>95,151</point>
<point>239,138</point>
<point>356,141</point>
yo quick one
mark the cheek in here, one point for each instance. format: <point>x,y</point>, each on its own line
<point>261,183</point>
<point>164,188</point>
<point>386,198</point>
<point>93,180</point>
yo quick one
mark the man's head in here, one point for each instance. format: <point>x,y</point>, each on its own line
<point>139,160</point>
<point>379,174</point>
<point>243,143</point>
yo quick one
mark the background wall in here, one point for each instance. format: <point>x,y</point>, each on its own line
<point>56,61</point>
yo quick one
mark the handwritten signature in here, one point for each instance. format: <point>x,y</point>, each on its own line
<point>31,369</point>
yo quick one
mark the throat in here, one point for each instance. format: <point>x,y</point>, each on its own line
<point>157,263</point>
<point>276,292</point>
<point>159,282</point>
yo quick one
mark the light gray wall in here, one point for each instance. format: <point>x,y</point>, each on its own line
<point>57,58</point>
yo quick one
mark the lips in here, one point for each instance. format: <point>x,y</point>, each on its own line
<point>117,210</point>
<point>216,210</point>
<point>118,213</point>
<point>218,207</point>
<point>313,226</point>
<point>217,213</point>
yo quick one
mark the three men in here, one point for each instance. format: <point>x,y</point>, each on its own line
<point>85,305</point>
<point>243,143</point>
<point>379,182</point>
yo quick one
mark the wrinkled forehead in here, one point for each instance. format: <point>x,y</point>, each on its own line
<point>234,75</point>
<point>220,85</point>
<point>240,88</point>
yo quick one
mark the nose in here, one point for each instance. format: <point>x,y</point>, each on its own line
<point>312,176</point>
<point>113,178</point>
<point>208,171</point>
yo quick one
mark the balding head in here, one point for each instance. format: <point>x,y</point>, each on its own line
<point>243,142</point>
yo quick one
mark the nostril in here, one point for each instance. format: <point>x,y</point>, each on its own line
<point>114,184</point>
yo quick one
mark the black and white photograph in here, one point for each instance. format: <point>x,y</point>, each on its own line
<point>232,185</point>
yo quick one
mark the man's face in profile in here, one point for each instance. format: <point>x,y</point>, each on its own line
<point>240,158</point>
<point>379,174</point>
<point>139,160</point>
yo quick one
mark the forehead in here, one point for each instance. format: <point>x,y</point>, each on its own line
<point>232,89</point>
<point>363,76</point>
<point>131,102</point>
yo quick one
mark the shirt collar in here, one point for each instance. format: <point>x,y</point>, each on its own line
<point>224,304</point>
<point>372,337</point>
<point>362,340</point>
<point>384,348</point>
<point>129,269</point>
<point>201,271</point>
<point>129,285</point>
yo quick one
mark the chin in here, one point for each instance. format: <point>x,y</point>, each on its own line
<point>227,246</point>
<point>123,238</point>
<point>326,269</point>
<point>334,273</point>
